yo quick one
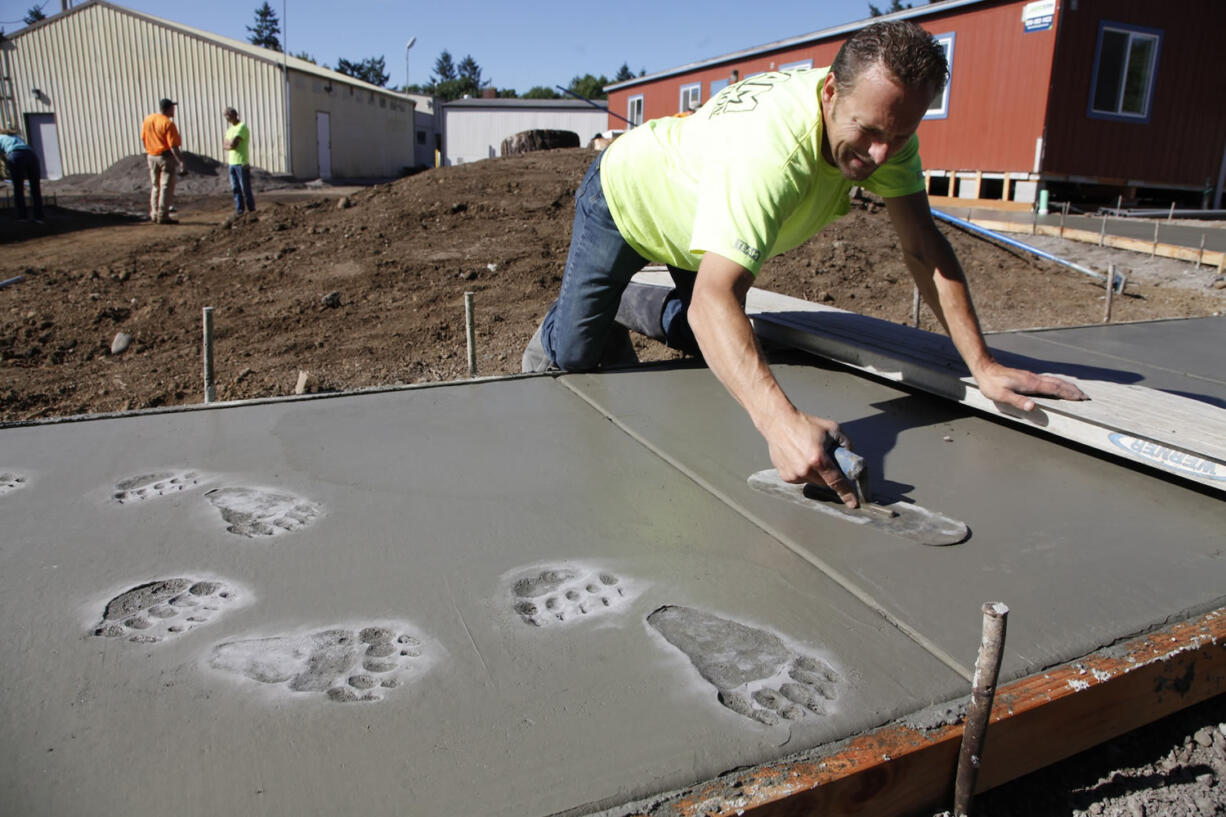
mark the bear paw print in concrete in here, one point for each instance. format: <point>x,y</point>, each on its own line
<point>753,671</point>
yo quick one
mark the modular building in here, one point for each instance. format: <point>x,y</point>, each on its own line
<point>1101,96</point>
<point>79,83</point>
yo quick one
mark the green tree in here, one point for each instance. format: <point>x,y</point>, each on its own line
<point>303,55</point>
<point>589,87</point>
<point>34,15</point>
<point>267,27</point>
<point>470,71</point>
<point>624,73</point>
<point>895,5</point>
<point>371,69</point>
<point>541,92</point>
<point>450,81</point>
<point>444,68</point>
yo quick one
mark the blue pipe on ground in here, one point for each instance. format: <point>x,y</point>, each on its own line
<point>1117,284</point>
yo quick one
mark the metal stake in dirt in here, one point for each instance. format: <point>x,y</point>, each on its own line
<point>915,307</point>
<point>470,332</point>
<point>983,690</point>
<point>210,393</point>
<point>1110,290</point>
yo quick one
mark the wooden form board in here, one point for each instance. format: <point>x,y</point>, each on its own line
<point>1175,435</point>
<point>908,767</point>
<point>1207,258</point>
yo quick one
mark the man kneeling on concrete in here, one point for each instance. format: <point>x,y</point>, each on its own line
<point>755,172</point>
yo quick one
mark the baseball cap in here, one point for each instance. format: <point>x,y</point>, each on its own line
<point>166,103</point>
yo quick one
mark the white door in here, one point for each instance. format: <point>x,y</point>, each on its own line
<point>43,138</point>
<point>323,138</point>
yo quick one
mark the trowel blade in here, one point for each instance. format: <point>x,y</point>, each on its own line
<point>899,518</point>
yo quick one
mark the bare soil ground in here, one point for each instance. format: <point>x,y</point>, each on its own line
<point>366,289</point>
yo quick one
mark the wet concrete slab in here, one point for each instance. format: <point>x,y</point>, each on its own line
<point>472,599</point>
<point>1083,550</point>
<point>1179,356</point>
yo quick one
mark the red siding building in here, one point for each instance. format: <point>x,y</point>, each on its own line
<point>1090,97</point>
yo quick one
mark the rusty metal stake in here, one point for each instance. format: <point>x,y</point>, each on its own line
<point>471,333</point>
<point>210,392</point>
<point>983,690</point>
<point>1110,290</point>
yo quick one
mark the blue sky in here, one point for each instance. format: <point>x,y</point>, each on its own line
<point>517,44</point>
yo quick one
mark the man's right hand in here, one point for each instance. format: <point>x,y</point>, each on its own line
<point>800,446</point>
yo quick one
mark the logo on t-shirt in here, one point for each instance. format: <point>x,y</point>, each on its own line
<point>750,252</point>
<point>743,96</point>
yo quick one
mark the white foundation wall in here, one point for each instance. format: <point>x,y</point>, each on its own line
<point>474,129</point>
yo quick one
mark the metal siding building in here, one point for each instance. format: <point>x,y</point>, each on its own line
<point>1019,93</point>
<point>83,80</point>
<point>473,129</point>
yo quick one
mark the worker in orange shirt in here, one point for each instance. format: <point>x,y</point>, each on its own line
<point>162,142</point>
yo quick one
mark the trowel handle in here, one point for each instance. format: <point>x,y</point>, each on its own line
<point>850,462</point>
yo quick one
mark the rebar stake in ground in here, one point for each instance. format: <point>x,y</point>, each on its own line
<point>983,690</point>
<point>210,392</point>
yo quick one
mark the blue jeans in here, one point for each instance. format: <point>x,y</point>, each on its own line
<point>240,185</point>
<point>599,266</point>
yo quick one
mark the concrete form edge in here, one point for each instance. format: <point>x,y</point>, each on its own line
<point>906,766</point>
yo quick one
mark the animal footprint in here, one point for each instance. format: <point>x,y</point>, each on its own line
<point>256,512</point>
<point>151,485</point>
<point>163,609</point>
<point>562,594</point>
<point>754,672</point>
<point>11,482</point>
<point>344,664</point>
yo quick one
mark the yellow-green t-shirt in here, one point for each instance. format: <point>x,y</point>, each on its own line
<point>743,177</point>
<point>240,155</point>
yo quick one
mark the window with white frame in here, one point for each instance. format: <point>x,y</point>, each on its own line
<point>634,110</point>
<point>691,97</point>
<point>1124,70</point>
<point>939,108</point>
<point>796,66</point>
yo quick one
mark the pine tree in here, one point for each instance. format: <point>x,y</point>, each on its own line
<point>371,69</point>
<point>34,15</point>
<point>444,68</point>
<point>267,27</point>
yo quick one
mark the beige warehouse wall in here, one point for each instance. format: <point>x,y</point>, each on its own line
<point>101,71</point>
<point>372,131</point>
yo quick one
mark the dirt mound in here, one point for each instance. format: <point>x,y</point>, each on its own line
<point>205,176</point>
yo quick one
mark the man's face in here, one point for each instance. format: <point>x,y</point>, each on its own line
<point>169,111</point>
<point>231,117</point>
<point>870,122</point>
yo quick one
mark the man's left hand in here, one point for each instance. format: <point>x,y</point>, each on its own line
<point>1002,384</point>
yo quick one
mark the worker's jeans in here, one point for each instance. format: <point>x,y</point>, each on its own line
<point>162,178</point>
<point>579,325</point>
<point>240,186</point>
<point>23,165</point>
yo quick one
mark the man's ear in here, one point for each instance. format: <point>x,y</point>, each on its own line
<point>829,89</point>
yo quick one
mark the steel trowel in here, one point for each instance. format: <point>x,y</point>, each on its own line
<point>896,517</point>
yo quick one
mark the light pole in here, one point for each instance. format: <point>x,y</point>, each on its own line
<point>407,46</point>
